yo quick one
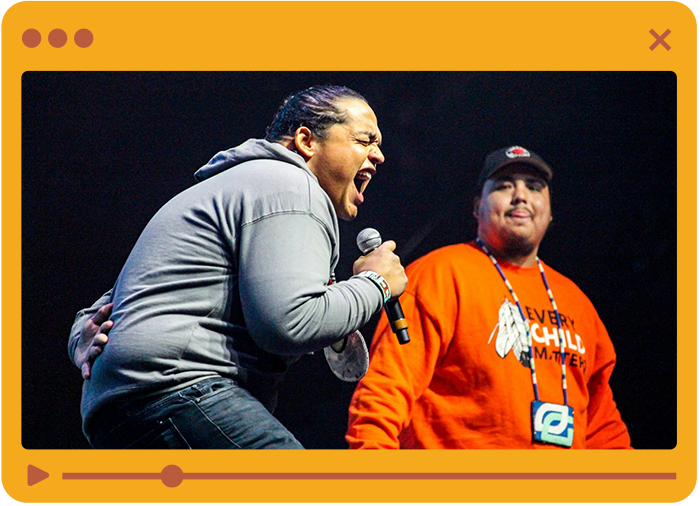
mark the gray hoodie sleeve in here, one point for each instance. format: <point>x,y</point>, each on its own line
<point>288,306</point>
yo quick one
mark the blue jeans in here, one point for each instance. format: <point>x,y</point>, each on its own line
<point>214,413</point>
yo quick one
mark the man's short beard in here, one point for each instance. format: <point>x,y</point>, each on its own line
<point>517,247</point>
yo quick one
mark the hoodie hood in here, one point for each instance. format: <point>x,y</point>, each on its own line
<point>252,149</point>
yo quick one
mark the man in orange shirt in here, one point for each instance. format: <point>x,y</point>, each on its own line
<point>505,352</point>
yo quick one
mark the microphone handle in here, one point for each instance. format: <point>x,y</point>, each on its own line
<point>397,320</point>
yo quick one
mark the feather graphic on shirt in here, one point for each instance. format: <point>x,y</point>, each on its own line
<point>511,334</point>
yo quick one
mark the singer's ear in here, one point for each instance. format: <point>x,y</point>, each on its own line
<point>475,207</point>
<point>304,142</point>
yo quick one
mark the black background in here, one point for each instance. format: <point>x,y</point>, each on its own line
<point>101,152</point>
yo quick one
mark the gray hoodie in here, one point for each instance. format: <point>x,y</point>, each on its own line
<point>231,278</point>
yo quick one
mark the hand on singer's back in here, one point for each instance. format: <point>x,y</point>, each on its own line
<point>92,340</point>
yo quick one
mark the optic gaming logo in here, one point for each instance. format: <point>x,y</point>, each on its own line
<point>517,152</point>
<point>553,423</point>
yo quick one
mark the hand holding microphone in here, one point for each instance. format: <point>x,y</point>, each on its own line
<point>380,258</point>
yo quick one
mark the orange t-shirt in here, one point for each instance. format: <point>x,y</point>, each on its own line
<point>464,380</point>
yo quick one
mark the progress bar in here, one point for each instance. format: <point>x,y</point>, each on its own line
<point>172,476</point>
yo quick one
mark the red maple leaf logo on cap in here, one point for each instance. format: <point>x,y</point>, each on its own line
<point>518,151</point>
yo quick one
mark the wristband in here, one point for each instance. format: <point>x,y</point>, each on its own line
<point>380,282</point>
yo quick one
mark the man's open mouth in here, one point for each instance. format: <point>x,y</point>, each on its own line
<point>362,179</point>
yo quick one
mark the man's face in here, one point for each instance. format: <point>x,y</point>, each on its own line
<point>514,210</point>
<point>346,160</point>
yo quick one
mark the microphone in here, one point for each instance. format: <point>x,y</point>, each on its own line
<point>368,240</point>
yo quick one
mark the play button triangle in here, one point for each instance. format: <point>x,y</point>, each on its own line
<point>35,475</point>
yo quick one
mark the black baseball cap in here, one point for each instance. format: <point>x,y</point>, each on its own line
<point>503,157</point>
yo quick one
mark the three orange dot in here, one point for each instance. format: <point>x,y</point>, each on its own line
<point>57,38</point>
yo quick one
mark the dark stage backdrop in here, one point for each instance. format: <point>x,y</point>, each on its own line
<point>101,152</point>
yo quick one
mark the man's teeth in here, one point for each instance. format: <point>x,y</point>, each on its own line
<point>362,179</point>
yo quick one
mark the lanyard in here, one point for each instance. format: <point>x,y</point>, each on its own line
<point>527,325</point>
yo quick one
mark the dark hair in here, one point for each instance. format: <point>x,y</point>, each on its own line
<point>315,108</point>
<point>479,188</point>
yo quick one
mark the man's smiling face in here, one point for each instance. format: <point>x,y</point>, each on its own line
<point>514,210</point>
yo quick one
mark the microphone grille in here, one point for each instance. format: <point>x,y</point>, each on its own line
<point>368,240</point>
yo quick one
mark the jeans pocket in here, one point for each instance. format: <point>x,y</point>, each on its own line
<point>164,435</point>
<point>207,388</point>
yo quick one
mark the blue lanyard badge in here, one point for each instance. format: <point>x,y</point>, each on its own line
<point>552,423</point>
